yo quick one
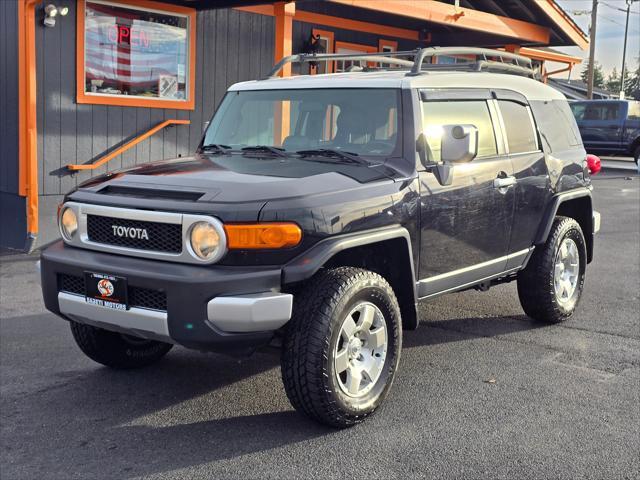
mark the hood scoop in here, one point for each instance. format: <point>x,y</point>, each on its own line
<point>151,193</point>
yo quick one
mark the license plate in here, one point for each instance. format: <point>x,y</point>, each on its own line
<point>106,290</point>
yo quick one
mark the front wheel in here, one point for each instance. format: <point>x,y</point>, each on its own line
<point>551,285</point>
<point>342,346</point>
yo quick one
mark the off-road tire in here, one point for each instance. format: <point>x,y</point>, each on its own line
<point>310,336</point>
<point>536,282</point>
<point>116,350</point>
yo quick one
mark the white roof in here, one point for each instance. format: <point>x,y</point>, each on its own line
<point>531,89</point>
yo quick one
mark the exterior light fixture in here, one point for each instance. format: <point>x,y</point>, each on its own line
<point>51,12</point>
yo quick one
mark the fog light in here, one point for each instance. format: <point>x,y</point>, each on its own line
<point>205,240</point>
<point>68,223</point>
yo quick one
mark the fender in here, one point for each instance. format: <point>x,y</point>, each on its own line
<point>552,210</point>
<point>307,264</point>
<point>304,266</point>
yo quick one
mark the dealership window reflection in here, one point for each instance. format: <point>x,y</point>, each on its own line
<point>135,52</point>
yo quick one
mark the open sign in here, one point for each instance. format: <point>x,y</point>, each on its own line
<point>121,34</point>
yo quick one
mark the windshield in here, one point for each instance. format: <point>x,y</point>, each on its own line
<point>359,121</point>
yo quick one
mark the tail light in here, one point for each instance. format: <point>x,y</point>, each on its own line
<point>593,163</point>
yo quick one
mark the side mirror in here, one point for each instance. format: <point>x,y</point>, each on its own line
<point>452,143</point>
<point>459,143</point>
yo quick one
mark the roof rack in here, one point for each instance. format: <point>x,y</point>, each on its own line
<point>485,60</point>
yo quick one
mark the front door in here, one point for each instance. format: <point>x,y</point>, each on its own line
<point>465,226</point>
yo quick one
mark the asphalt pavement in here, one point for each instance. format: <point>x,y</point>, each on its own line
<point>482,391</point>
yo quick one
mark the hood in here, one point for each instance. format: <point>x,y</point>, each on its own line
<point>234,178</point>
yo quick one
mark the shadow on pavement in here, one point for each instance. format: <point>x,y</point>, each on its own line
<point>131,423</point>
<point>453,330</point>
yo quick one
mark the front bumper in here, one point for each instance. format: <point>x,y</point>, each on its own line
<point>216,308</point>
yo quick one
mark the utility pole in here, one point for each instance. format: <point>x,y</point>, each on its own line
<point>592,49</point>
<point>624,49</point>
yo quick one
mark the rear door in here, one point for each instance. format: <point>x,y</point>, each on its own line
<point>465,226</point>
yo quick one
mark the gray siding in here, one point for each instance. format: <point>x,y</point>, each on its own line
<point>13,229</point>
<point>9,96</point>
<point>232,46</point>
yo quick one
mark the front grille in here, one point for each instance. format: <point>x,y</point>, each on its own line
<point>138,297</point>
<point>71,284</point>
<point>162,237</point>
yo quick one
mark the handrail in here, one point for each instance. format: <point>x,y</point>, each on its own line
<point>127,146</point>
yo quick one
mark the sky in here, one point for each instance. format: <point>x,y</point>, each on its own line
<point>609,33</point>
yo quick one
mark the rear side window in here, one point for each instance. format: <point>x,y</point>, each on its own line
<point>557,125</point>
<point>521,135</point>
<point>601,111</point>
<point>467,112</point>
<point>634,111</point>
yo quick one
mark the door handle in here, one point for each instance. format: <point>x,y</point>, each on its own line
<point>504,182</point>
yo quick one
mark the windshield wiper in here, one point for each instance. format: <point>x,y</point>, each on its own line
<point>277,151</point>
<point>216,147</point>
<point>327,153</point>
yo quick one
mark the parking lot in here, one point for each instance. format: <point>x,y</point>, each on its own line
<point>482,391</point>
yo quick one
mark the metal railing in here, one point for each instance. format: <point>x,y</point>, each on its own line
<point>127,146</point>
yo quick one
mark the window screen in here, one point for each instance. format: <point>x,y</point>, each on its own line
<point>471,112</point>
<point>517,122</point>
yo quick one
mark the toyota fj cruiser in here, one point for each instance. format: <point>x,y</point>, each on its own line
<point>319,209</point>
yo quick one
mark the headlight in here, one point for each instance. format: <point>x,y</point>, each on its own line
<point>205,240</point>
<point>68,223</point>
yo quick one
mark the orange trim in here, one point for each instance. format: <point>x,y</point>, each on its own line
<point>27,126</point>
<point>133,101</point>
<point>284,13</point>
<point>355,46</point>
<point>387,43</point>
<point>127,146</point>
<point>561,19</point>
<point>259,9</point>
<point>356,25</point>
<point>543,55</point>
<point>246,236</point>
<point>446,14</point>
<point>338,22</point>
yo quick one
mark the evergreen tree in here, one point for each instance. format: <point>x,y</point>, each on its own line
<point>598,75</point>
<point>632,85</point>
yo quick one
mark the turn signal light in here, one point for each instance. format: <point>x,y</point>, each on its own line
<point>241,236</point>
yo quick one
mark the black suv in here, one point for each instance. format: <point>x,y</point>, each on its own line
<point>316,213</point>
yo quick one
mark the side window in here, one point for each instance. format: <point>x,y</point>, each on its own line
<point>521,135</point>
<point>578,111</point>
<point>472,112</point>
<point>557,125</point>
<point>602,111</point>
<point>634,111</point>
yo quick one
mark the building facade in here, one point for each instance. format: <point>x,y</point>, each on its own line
<point>91,86</point>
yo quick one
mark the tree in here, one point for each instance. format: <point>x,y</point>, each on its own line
<point>632,85</point>
<point>598,75</point>
<point>613,81</point>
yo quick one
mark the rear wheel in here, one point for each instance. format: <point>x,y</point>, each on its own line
<point>636,155</point>
<point>551,285</point>
<point>117,350</point>
<point>342,346</point>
